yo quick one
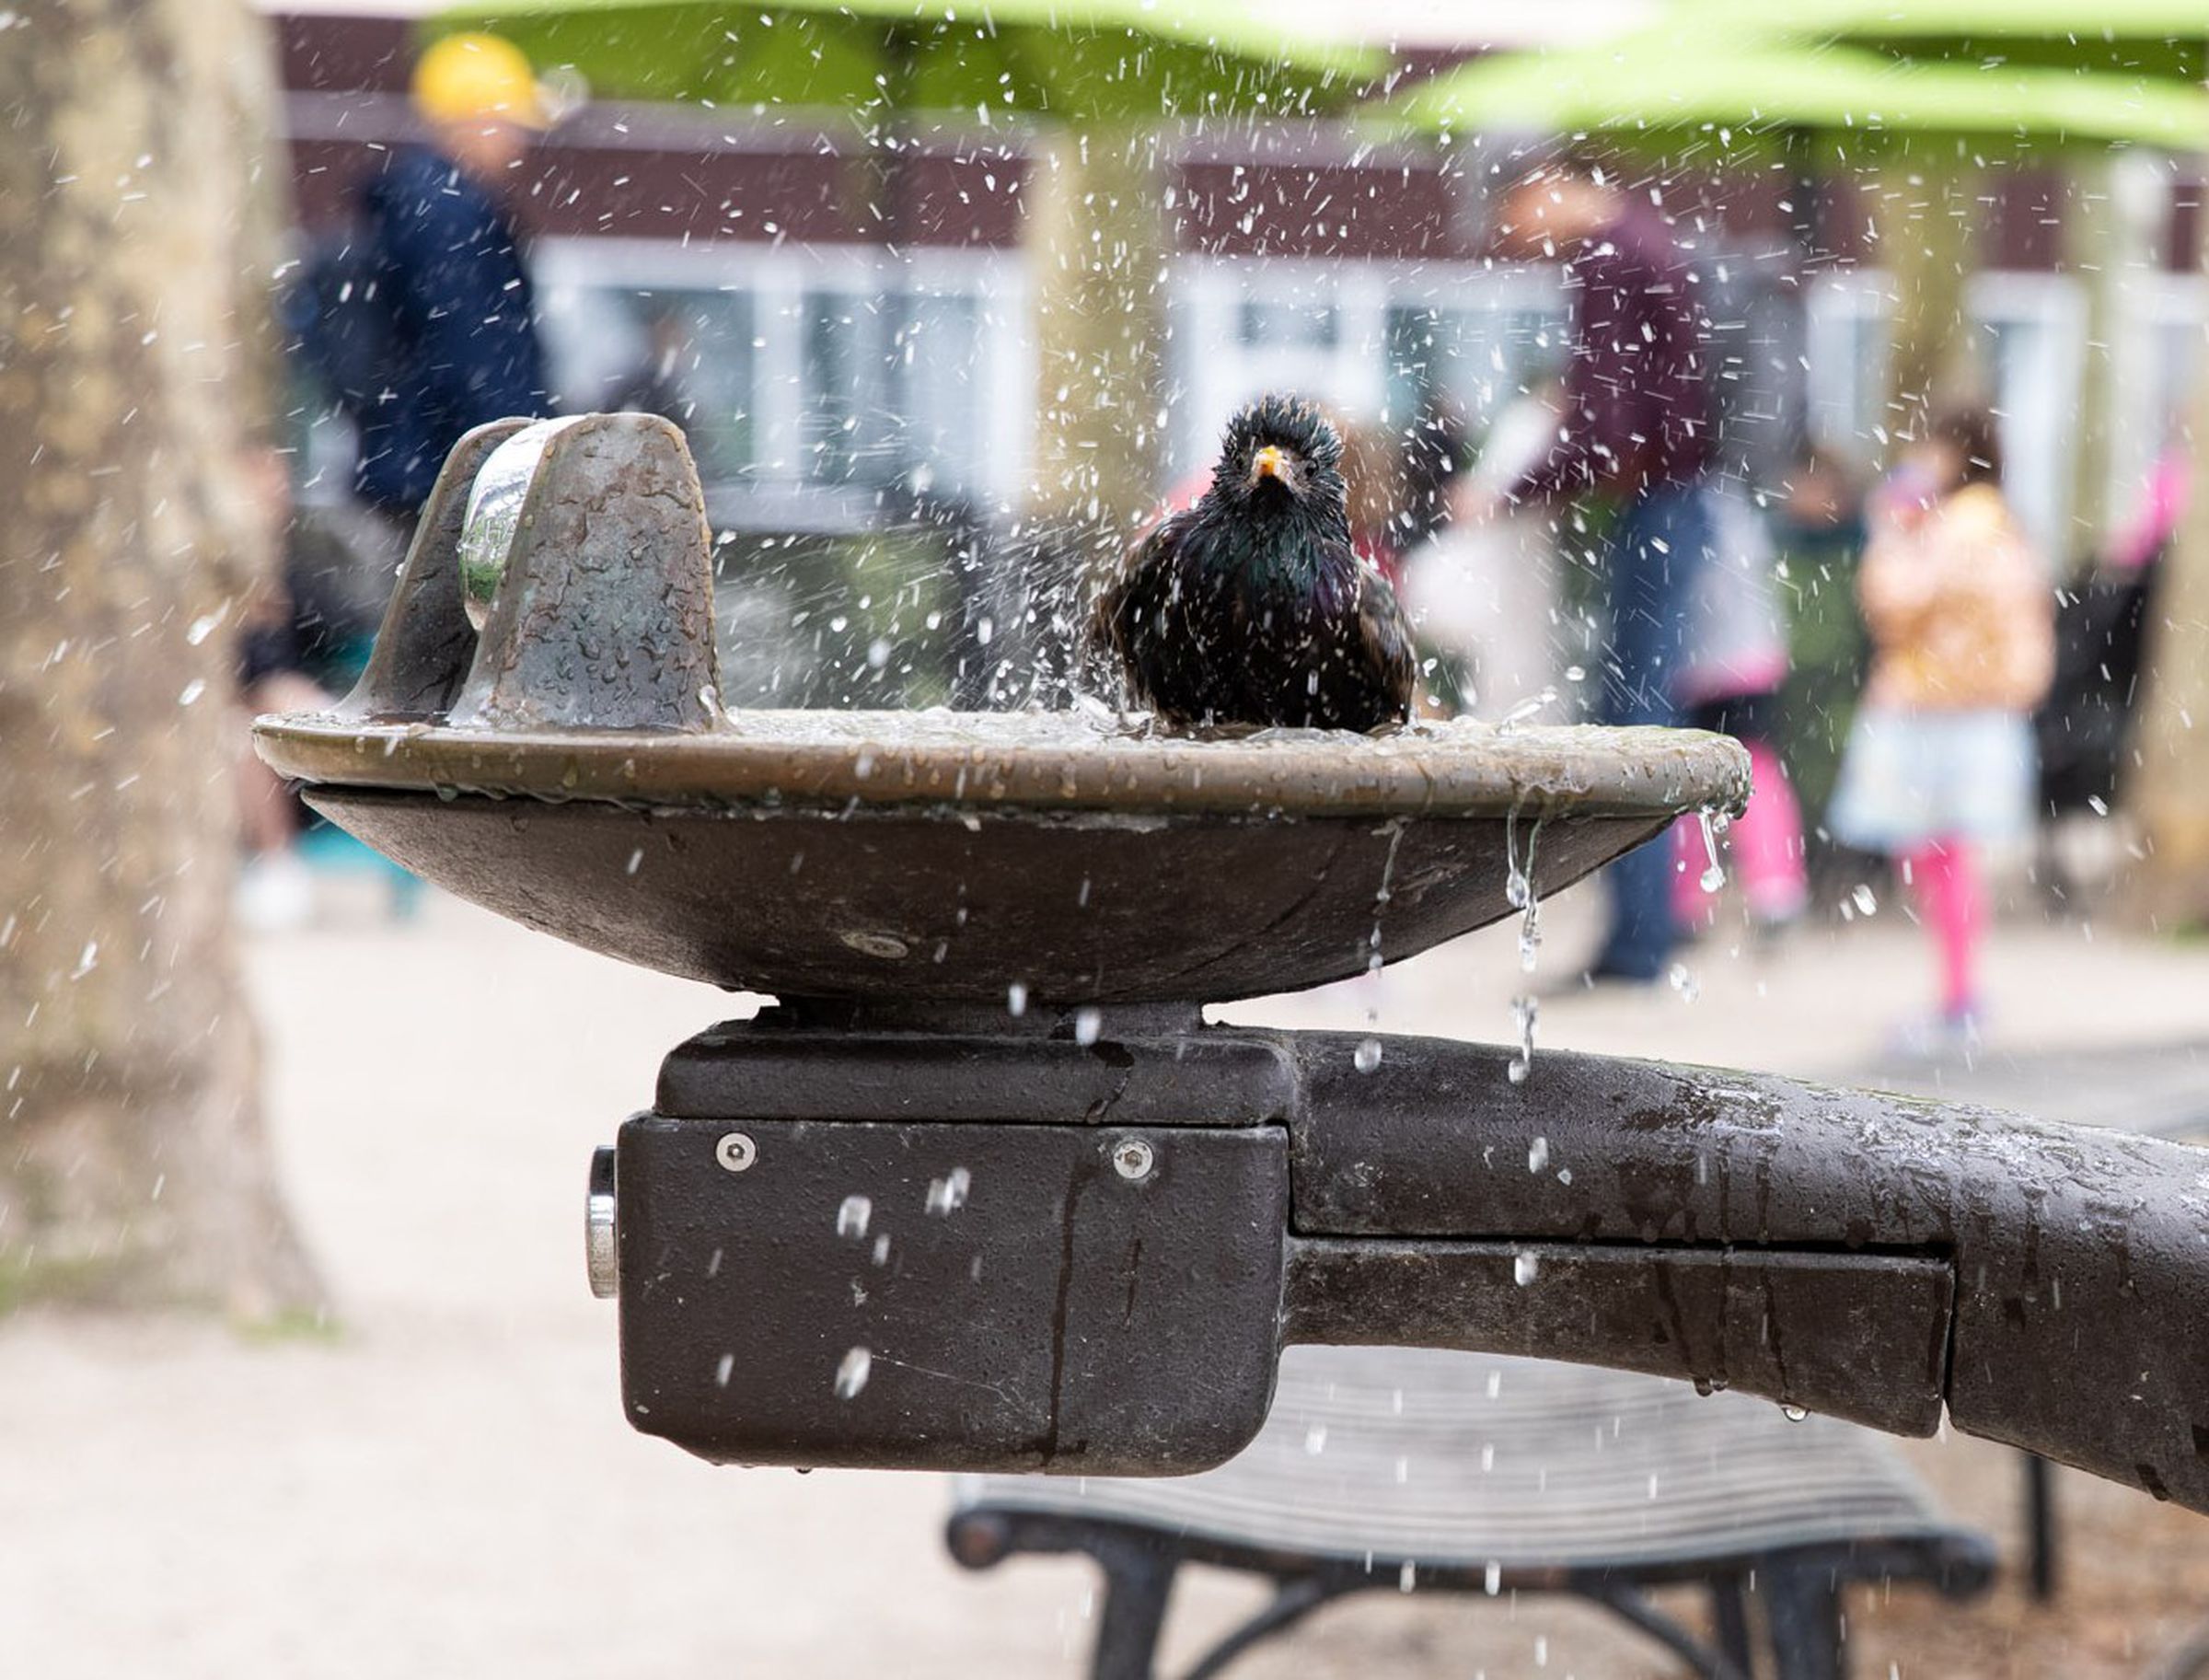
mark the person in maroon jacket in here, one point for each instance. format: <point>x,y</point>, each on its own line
<point>1636,431</point>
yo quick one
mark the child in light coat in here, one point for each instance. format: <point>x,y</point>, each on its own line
<point>1940,759</point>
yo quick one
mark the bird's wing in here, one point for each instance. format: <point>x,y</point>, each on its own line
<point>1112,618</point>
<point>1141,629</point>
<point>1385,635</point>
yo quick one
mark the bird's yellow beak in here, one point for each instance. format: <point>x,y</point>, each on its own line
<point>1267,463</point>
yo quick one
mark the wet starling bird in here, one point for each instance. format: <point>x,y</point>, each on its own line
<point>1252,607</point>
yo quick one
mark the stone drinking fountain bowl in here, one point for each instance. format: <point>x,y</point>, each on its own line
<point>982,1191</point>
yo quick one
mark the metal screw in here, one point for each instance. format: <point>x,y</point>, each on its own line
<point>735,1152</point>
<point>598,1226</point>
<point>1132,1159</point>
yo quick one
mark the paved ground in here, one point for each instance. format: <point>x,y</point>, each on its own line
<point>447,1489</point>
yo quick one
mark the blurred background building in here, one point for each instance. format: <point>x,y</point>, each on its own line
<point>823,366</point>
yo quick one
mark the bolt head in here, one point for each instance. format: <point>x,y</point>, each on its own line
<point>735,1152</point>
<point>600,1246</point>
<point>1132,1159</point>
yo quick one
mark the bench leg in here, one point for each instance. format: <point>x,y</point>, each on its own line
<point>1293,1601</point>
<point>2040,1526</point>
<point>1729,1619</point>
<point>1802,1607</point>
<point>1138,1582</point>
<point>1630,1606</point>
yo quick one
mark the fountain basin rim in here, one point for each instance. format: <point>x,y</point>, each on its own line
<point>881,759</point>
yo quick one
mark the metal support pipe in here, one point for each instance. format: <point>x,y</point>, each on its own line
<point>1870,1256</point>
<point>1139,1222</point>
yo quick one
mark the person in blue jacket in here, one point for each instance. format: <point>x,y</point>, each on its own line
<point>463,345</point>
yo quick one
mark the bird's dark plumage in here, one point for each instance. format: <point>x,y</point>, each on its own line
<point>1252,607</point>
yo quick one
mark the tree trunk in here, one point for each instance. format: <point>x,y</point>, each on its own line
<point>2102,252</point>
<point>1096,234</point>
<point>135,251</point>
<point>2167,786</point>
<point>1926,219</point>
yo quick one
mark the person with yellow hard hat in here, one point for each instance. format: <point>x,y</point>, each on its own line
<point>480,97</point>
<point>452,317</point>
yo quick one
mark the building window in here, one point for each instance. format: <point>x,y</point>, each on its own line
<point>839,390</point>
<point>1473,359</point>
<point>941,373</point>
<point>795,374</point>
<point>1374,340</point>
<point>1276,323</point>
<point>2030,334</point>
<point>1847,358</point>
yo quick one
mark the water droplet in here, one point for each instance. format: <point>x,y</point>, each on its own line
<point>1525,709</point>
<point>1682,979</point>
<point>882,1249</point>
<point>1793,1413</point>
<point>1861,897</point>
<point>1519,889</point>
<point>1714,877</point>
<point>1088,1024</point>
<point>192,690</point>
<point>1375,961</point>
<point>1016,999</point>
<point>1492,1579</point>
<point>1368,1056</point>
<point>948,1194</point>
<point>1407,1577</point>
<point>1537,1154</point>
<point>1526,1265</point>
<point>725,1370</point>
<point>851,1375</point>
<point>1525,1011</point>
<point>853,1216</point>
<point>1315,1440</point>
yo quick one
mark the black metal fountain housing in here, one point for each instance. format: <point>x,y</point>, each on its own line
<point>982,1191</point>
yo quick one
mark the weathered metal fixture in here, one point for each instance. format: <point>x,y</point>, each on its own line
<point>982,1190</point>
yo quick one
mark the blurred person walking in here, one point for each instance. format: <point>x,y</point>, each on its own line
<point>1819,526</point>
<point>2085,727</point>
<point>1636,431</point>
<point>423,320</point>
<point>1940,761</point>
<point>275,889</point>
<point>1483,589</point>
<point>1372,469</point>
<point>1730,677</point>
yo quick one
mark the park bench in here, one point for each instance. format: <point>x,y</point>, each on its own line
<point>1400,1469</point>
